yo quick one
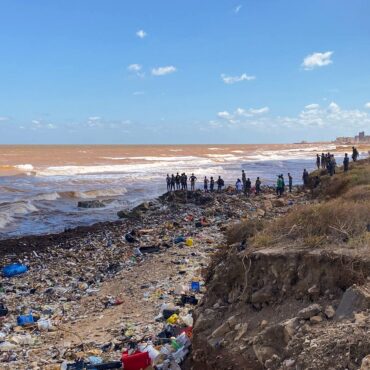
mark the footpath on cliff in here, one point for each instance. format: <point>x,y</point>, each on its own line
<point>87,295</point>
<point>297,295</point>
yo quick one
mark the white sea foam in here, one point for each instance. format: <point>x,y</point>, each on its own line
<point>47,196</point>
<point>142,168</point>
<point>24,167</point>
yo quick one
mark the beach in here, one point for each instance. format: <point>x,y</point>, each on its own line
<point>40,186</point>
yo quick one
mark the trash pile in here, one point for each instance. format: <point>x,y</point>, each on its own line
<point>123,294</point>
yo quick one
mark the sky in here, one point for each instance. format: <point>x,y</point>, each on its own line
<point>183,72</point>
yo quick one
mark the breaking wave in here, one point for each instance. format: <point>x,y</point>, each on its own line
<point>9,210</point>
<point>91,194</point>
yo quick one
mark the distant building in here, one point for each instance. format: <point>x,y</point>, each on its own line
<point>361,138</point>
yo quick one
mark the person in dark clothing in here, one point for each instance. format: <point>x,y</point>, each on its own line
<point>168,180</point>
<point>258,186</point>
<point>244,180</point>
<point>355,154</point>
<point>318,161</point>
<point>177,181</point>
<point>334,163</point>
<point>205,182</point>
<point>212,184</point>
<point>282,184</point>
<point>220,184</point>
<point>192,182</point>
<point>173,181</point>
<point>185,181</point>
<point>290,179</point>
<point>248,187</point>
<point>323,161</point>
<point>346,162</point>
<point>305,178</point>
<point>331,165</point>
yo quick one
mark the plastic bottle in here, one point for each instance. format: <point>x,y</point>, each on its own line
<point>152,352</point>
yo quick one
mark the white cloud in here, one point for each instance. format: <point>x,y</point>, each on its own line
<point>4,119</point>
<point>331,117</point>
<point>237,8</point>
<point>224,114</point>
<point>94,118</point>
<point>233,79</point>
<point>141,34</point>
<point>136,93</point>
<point>37,124</point>
<point>161,71</point>
<point>134,67</point>
<point>259,111</point>
<point>367,105</point>
<point>312,106</point>
<point>317,60</point>
<point>241,114</point>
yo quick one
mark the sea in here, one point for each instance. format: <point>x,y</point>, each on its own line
<point>40,186</point>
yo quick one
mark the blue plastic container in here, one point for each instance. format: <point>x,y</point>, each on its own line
<point>179,239</point>
<point>14,269</point>
<point>24,320</point>
<point>195,286</point>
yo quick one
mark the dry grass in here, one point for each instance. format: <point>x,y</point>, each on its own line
<point>340,219</point>
<point>335,221</point>
<point>241,231</point>
<point>332,187</point>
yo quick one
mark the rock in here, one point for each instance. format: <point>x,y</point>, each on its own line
<point>263,353</point>
<point>290,328</point>
<point>261,296</point>
<point>309,311</point>
<point>355,299</point>
<point>329,312</point>
<point>316,319</point>
<point>263,324</point>
<point>129,214</point>
<point>143,207</point>
<point>365,364</point>
<point>242,330</point>
<point>261,212</point>
<point>289,363</point>
<point>221,330</point>
<point>267,205</point>
<point>269,342</point>
<point>90,204</point>
<point>278,203</point>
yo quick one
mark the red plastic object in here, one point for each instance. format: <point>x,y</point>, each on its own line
<point>135,361</point>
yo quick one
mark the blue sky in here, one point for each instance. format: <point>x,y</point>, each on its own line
<point>251,71</point>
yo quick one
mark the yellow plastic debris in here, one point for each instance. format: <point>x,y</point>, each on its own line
<point>189,242</point>
<point>173,319</point>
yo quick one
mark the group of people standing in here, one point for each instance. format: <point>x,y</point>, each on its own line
<point>327,161</point>
<point>180,182</point>
<point>324,161</point>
